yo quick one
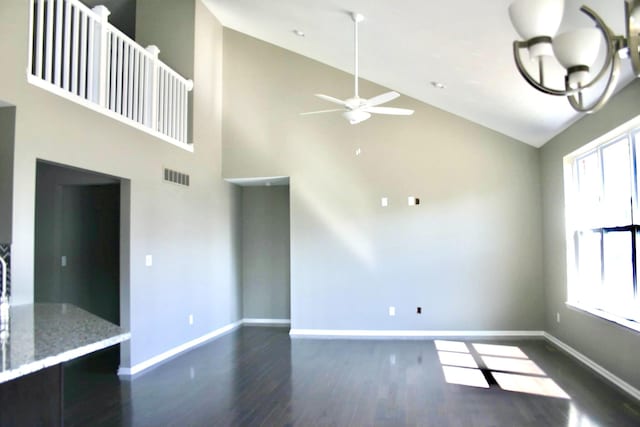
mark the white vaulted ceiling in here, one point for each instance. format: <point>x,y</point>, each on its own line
<point>406,44</point>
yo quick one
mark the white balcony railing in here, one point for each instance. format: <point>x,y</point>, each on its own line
<point>75,52</point>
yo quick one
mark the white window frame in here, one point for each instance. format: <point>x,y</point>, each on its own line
<point>630,130</point>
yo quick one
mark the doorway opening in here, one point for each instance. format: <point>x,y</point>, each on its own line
<point>81,251</point>
<point>266,243</point>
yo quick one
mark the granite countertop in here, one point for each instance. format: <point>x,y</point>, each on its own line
<point>43,335</point>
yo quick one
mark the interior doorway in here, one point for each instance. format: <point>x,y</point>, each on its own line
<point>78,250</point>
<point>266,243</point>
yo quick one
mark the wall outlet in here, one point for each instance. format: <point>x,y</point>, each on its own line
<point>148,260</point>
<point>384,202</point>
<point>191,319</point>
<point>63,260</point>
<point>418,310</point>
<point>392,311</point>
<point>558,317</point>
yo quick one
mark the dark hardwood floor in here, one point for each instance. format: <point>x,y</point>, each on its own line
<point>259,377</point>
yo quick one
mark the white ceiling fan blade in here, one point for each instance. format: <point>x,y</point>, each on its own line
<point>381,99</point>
<point>322,112</point>
<point>390,110</point>
<point>331,99</point>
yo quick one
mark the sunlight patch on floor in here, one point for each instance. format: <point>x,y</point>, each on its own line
<point>500,350</point>
<point>522,366</point>
<point>506,366</point>
<point>457,359</point>
<point>464,376</point>
<point>542,386</point>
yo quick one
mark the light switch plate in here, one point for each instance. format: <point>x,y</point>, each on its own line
<point>148,260</point>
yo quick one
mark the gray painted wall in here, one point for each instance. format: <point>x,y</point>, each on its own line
<point>614,347</point>
<point>265,253</point>
<point>469,254</point>
<point>7,131</point>
<point>189,231</point>
<point>123,14</point>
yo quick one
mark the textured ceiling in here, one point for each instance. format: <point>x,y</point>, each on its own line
<point>406,44</point>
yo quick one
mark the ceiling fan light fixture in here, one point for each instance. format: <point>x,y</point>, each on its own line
<point>356,109</point>
<point>356,116</point>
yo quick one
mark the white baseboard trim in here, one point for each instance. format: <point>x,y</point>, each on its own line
<point>135,369</point>
<point>266,322</point>
<point>617,381</point>
<point>362,333</point>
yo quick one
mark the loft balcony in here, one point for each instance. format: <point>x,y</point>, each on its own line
<point>76,53</point>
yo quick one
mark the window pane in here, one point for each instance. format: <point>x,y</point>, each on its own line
<point>618,274</point>
<point>589,190</point>
<point>589,267</point>
<point>617,184</point>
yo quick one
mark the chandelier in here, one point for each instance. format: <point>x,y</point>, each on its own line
<point>537,22</point>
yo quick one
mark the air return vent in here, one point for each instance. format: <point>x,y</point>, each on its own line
<point>176,177</point>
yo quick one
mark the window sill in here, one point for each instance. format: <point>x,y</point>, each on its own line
<point>626,323</point>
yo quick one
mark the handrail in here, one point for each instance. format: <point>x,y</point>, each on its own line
<point>75,52</point>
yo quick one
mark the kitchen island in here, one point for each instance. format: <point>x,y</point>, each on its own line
<point>41,338</point>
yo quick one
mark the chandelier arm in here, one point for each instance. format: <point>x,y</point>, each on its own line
<point>517,46</point>
<point>614,74</point>
<point>633,34</point>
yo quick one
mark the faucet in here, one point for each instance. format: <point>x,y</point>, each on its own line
<point>4,304</point>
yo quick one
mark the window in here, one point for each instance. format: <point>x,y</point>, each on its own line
<point>603,228</point>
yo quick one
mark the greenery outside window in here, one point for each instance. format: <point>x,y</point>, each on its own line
<point>603,227</point>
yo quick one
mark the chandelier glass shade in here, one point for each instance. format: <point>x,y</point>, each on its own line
<point>537,22</point>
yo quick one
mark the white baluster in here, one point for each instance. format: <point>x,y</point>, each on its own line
<point>66,74</point>
<point>31,37</point>
<point>136,70</point>
<point>83,55</point>
<point>161,104</point>
<point>74,50</point>
<point>100,64</point>
<point>131,72</point>
<point>58,53</point>
<point>113,58</point>
<point>152,94</point>
<point>179,111</point>
<point>48,64</point>
<point>189,88</point>
<point>39,37</point>
<point>125,78</point>
<point>120,48</point>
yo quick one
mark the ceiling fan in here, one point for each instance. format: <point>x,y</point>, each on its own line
<point>358,109</point>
